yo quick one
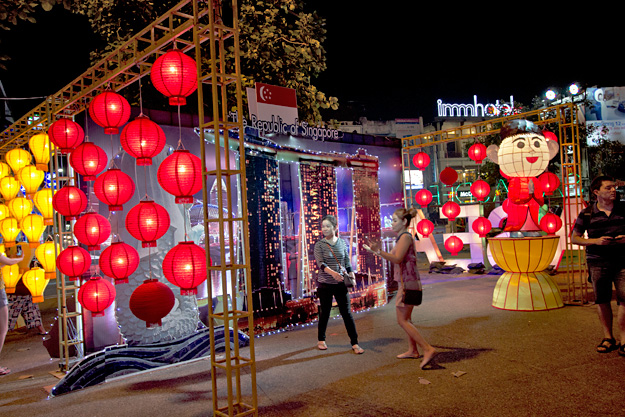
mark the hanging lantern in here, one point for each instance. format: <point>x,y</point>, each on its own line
<point>66,134</point>
<point>180,174</point>
<point>449,176</point>
<point>43,202</point>
<point>88,159</point>
<point>73,261</point>
<point>421,160</point>
<point>550,223</point>
<point>39,146</point>
<point>147,222</point>
<point>96,295</point>
<point>11,276</point>
<point>32,226</point>
<point>451,210</point>
<point>4,211</point>
<point>549,181</point>
<point>35,280</point>
<point>9,229</point>
<point>5,170</point>
<point>46,255</point>
<point>481,226</point>
<point>477,152</point>
<point>31,178</point>
<point>114,188</point>
<point>151,301</point>
<point>454,244</point>
<point>174,75</point>
<point>185,267</point>
<point>20,207</point>
<point>425,227</point>
<point>109,110</point>
<point>9,187</point>
<point>480,190</point>
<point>119,261</point>
<point>92,229</point>
<point>143,140</point>
<point>70,201</point>
<point>17,159</point>
<point>423,197</point>
<point>550,135</point>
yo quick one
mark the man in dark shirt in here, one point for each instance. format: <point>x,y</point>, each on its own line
<point>604,223</point>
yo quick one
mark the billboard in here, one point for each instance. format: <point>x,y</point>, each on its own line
<point>605,110</point>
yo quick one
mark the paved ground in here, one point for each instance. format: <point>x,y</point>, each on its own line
<point>491,363</point>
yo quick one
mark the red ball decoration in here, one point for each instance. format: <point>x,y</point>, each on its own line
<point>119,261</point>
<point>73,261</point>
<point>550,135</point>
<point>480,190</point>
<point>142,139</point>
<point>482,226</point>
<point>550,182</point>
<point>96,295</point>
<point>151,301</point>
<point>550,223</point>
<point>70,201</point>
<point>425,227</point>
<point>147,222</point>
<point>454,244</point>
<point>92,229</point>
<point>449,176</point>
<point>114,188</point>
<point>88,159</point>
<point>421,160</point>
<point>65,134</point>
<point>174,74</point>
<point>451,210</point>
<point>423,197</point>
<point>477,152</point>
<point>185,267</point>
<point>109,110</point>
<point>180,174</point>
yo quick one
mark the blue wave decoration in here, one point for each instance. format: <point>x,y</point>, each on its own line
<point>121,360</point>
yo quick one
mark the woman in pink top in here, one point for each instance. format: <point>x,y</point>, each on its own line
<point>404,255</point>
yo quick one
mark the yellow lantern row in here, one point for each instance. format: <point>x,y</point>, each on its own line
<point>31,225</point>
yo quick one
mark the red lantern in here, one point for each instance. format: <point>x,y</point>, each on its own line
<point>449,176</point>
<point>180,174</point>
<point>151,301</point>
<point>454,244</point>
<point>174,74</point>
<point>451,210</point>
<point>550,135</point>
<point>185,267</point>
<point>88,159</point>
<point>109,110</point>
<point>549,181</point>
<point>550,223</point>
<point>480,190</point>
<point>481,226</point>
<point>70,201</point>
<point>425,227</point>
<point>66,134</point>
<point>96,295</point>
<point>142,139</point>
<point>421,160</point>
<point>423,197</point>
<point>477,152</point>
<point>119,261</point>
<point>147,222</point>
<point>114,188</point>
<point>73,261</point>
<point>92,229</point>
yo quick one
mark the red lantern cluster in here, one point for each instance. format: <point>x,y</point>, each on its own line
<point>477,152</point>
<point>143,140</point>
<point>114,188</point>
<point>451,210</point>
<point>70,201</point>
<point>180,174</point>
<point>73,261</point>
<point>481,226</point>
<point>147,222</point>
<point>449,176</point>
<point>96,295</point>
<point>174,74</point>
<point>550,223</point>
<point>185,267</point>
<point>119,261</point>
<point>423,197</point>
<point>425,227</point>
<point>421,160</point>
<point>480,190</point>
<point>109,110</point>
<point>92,229</point>
<point>151,301</point>
<point>454,244</point>
<point>65,134</point>
<point>88,159</point>
<point>550,182</point>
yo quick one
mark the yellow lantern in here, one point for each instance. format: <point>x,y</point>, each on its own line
<point>46,256</point>
<point>20,207</point>
<point>5,169</point>
<point>9,187</point>
<point>35,280</point>
<point>40,148</point>
<point>43,202</point>
<point>18,158</point>
<point>4,211</point>
<point>32,226</point>
<point>9,230</point>
<point>11,275</point>
<point>30,178</point>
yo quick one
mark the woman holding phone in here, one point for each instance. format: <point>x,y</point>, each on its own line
<point>4,305</point>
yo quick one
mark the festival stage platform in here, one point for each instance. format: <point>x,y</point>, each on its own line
<point>491,362</point>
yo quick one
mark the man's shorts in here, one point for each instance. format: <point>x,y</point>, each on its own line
<point>3,298</point>
<point>602,277</point>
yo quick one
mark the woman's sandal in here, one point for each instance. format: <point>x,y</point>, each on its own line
<point>357,350</point>
<point>621,349</point>
<point>321,345</point>
<point>607,345</point>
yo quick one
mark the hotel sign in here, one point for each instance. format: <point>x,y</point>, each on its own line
<point>475,109</point>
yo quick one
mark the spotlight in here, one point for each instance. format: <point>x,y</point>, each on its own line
<point>574,89</point>
<point>551,94</point>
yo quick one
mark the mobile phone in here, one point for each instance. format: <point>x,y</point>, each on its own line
<point>19,251</point>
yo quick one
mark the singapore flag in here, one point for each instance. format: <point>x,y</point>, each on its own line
<point>279,102</point>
